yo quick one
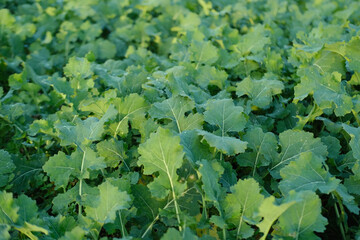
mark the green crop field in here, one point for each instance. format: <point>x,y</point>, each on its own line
<point>180,119</point>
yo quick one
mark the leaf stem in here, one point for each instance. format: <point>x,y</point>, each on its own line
<point>356,117</point>
<point>339,217</point>
<point>165,207</point>
<point>122,225</point>
<point>80,180</point>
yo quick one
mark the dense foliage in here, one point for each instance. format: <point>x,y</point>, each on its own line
<point>179,119</point>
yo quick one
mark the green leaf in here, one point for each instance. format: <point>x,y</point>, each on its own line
<point>172,234</point>
<point>90,129</point>
<point>59,225</point>
<point>162,153</point>
<point>307,173</point>
<point>259,91</point>
<point>328,91</point>
<point>131,108</point>
<point>293,143</point>
<point>59,167</point>
<point>147,205</point>
<point>6,167</point>
<point>174,109</point>
<point>302,218</point>
<point>6,19</point>
<point>241,204</point>
<point>8,209</point>
<point>86,160</point>
<point>352,52</point>
<point>112,151</point>
<point>225,115</point>
<point>270,211</point>
<point>347,199</point>
<point>4,231</point>
<point>207,75</point>
<point>329,62</point>
<point>193,148</point>
<point>355,139</point>
<point>28,210</point>
<point>203,53</point>
<point>227,145</point>
<point>263,146</point>
<point>353,182</point>
<point>111,200</point>
<point>78,67</point>
<point>254,41</point>
<point>210,175</point>
<point>76,233</point>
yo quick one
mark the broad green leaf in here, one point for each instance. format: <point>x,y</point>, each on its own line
<point>263,146</point>
<point>147,205</point>
<point>111,201</point>
<point>76,233</point>
<point>61,85</point>
<point>307,173</point>
<point>62,201</point>
<point>26,172</point>
<point>347,199</point>
<point>78,67</point>
<point>270,211</point>
<point>162,153</point>
<point>227,145</point>
<point>90,129</point>
<point>302,218</point>
<point>225,115</point>
<point>41,126</point>
<point>6,167</point>
<point>193,148</point>
<point>207,75</point>
<point>28,209</point>
<point>96,106</point>
<point>113,152</point>
<point>86,160</point>
<point>328,91</point>
<point>210,174</point>
<point>352,53</point>
<point>4,231</point>
<point>59,225</point>
<point>333,146</point>
<point>172,234</point>
<point>189,21</point>
<point>259,91</point>
<point>293,143</point>
<point>6,19</point>
<point>59,167</point>
<point>174,109</point>
<point>254,41</point>
<point>241,204</point>
<point>203,53</point>
<point>353,182</point>
<point>8,209</point>
<point>131,108</point>
<point>81,194</point>
<point>330,61</point>
<point>355,139</point>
